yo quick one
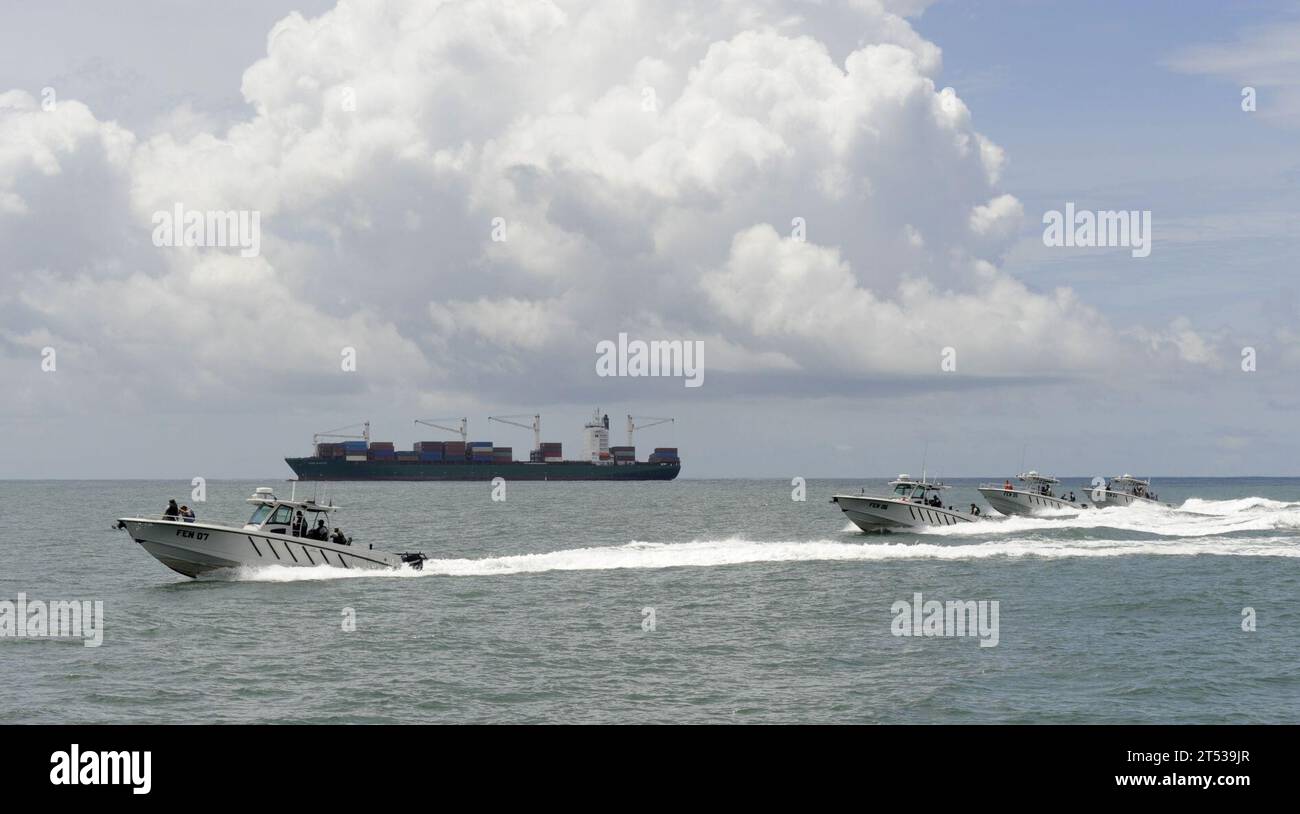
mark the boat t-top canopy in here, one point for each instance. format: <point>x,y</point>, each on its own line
<point>908,480</point>
<point>1033,477</point>
<point>1127,478</point>
<point>264,496</point>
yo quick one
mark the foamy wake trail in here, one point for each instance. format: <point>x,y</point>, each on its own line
<point>1195,518</point>
<point>1245,504</point>
<point>711,553</point>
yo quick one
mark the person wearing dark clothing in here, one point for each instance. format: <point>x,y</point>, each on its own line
<point>173,511</point>
<point>338,538</point>
<point>975,510</point>
<point>320,532</point>
<point>187,514</point>
<point>299,525</point>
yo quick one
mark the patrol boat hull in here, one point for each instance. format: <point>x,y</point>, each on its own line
<point>887,514</point>
<point>1120,499</point>
<point>1019,502</point>
<point>195,549</point>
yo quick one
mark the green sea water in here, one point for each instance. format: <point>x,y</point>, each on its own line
<point>690,601</point>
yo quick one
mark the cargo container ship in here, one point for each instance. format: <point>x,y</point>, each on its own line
<point>462,460</point>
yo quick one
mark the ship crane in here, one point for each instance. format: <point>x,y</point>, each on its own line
<point>650,421</point>
<point>340,433</point>
<point>462,429</point>
<point>535,426</point>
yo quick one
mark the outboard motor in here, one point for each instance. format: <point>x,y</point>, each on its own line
<point>415,560</point>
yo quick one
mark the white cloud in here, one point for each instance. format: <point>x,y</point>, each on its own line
<point>800,295</point>
<point>377,220</point>
<point>506,322</point>
<point>999,218</point>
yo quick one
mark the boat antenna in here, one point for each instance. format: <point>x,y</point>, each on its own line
<point>924,454</point>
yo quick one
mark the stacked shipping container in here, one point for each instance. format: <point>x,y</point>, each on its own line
<point>382,451</point>
<point>354,450</point>
<point>473,452</point>
<point>429,450</point>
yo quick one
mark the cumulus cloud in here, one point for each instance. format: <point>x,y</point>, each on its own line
<point>793,293</point>
<point>493,186</point>
<point>999,218</point>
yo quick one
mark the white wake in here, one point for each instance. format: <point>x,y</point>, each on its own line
<point>714,553</point>
<point>1196,528</point>
<point>1194,518</point>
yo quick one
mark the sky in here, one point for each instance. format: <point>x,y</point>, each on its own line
<point>842,202</point>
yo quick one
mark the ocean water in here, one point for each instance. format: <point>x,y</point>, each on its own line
<point>765,610</point>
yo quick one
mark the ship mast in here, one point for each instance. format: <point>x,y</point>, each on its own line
<point>339,433</point>
<point>462,429</point>
<point>651,421</point>
<point>535,426</point>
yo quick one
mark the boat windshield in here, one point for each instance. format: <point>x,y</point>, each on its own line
<point>903,489</point>
<point>259,515</point>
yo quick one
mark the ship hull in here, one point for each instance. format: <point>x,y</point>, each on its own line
<point>886,514</point>
<point>333,469</point>
<point>1110,498</point>
<point>1018,502</point>
<point>195,549</point>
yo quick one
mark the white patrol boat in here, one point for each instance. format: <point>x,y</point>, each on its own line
<point>268,538</point>
<point>1037,495</point>
<point>912,504</point>
<point>1124,490</point>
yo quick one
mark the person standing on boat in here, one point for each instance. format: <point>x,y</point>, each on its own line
<point>299,525</point>
<point>172,511</point>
